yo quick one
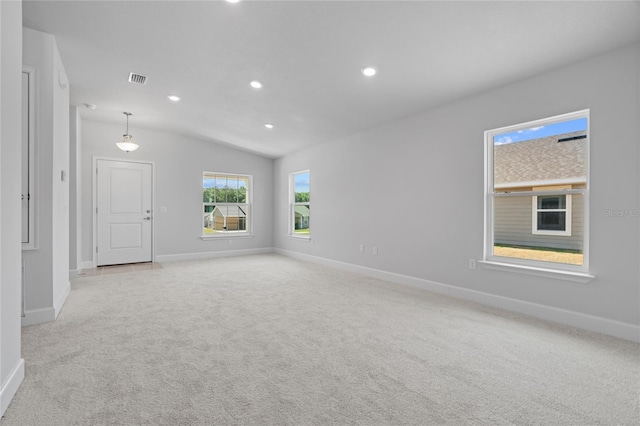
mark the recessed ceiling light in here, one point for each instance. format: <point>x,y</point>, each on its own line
<point>173,98</point>
<point>369,71</point>
<point>268,125</point>
<point>233,1</point>
<point>256,84</point>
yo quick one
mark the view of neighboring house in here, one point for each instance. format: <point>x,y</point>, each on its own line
<point>553,163</point>
<point>301,217</point>
<point>226,218</point>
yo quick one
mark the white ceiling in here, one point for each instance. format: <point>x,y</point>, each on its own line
<point>308,55</point>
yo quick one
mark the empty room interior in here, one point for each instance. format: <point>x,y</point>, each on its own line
<point>473,255</point>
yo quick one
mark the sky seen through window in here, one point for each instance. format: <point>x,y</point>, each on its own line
<point>541,131</point>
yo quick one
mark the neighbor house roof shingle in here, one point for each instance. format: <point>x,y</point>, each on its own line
<point>543,159</point>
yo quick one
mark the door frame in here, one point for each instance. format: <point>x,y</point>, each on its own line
<point>95,202</point>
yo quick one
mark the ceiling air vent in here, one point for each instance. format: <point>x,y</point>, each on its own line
<point>137,78</point>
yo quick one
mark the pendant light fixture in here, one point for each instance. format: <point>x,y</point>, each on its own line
<point>127,144</point>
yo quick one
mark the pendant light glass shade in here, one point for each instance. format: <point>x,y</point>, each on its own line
<point>127,144</point>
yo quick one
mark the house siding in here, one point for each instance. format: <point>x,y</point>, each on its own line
<point>512,224</point>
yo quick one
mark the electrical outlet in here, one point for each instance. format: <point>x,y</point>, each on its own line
<point>472,264</point>
<point>361,248</point>
<point>374,250</point>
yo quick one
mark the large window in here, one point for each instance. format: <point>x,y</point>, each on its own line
<point>300,204</point>
<point>537,192</point>
<point>226,200</point>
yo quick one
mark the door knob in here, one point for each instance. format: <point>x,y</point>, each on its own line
<point>146,218</point>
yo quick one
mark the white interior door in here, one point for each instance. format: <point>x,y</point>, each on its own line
<point>123,214</point>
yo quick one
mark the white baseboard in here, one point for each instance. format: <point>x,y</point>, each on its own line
<point>42,315</point>
<point>86,265</point>
<point>211,254</point>
<point>11,386</point>
<point>59,303</point>
<point>562,316</point>
<point>38,316</point>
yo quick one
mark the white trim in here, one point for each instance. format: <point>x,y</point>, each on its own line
<point>11,385</point>
<point>523,265</point>
<point>211,254</point>
<point>539,193</point>
<point>228,174</point>
<point>549,313</point>
<point>551,182</point>
<point>38,316</point>
<point>537,271</point>
<point>227,236</point>
<point>59,303</point>
<point>33,166</point>
<point>567,216</point>
<point>303,237</point>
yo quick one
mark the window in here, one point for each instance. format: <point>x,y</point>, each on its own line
<point>226,200</point>
<point>300,204</point>
<point>551,215</point>
<point>537,192</point>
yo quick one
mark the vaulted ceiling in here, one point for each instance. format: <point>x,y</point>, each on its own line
<point>308,55</point>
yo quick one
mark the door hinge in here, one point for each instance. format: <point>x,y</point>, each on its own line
<point>96,210</point>
<point>96,249</point>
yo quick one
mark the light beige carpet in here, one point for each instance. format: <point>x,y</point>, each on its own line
<point>268,340</point>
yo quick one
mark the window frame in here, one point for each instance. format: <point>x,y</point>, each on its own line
<point>246,207</point>
<point>536,267</point>
<point>28,158</point>
<point>293,204</point>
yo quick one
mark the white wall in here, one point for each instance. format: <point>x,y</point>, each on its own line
<point>179,162</point>
<point>11,365</point>
<point>47,267</point>
<point>429,169</point>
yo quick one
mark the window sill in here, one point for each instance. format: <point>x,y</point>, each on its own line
<point>580,277</point>
<point>225,236</point>
<point>305,238</point>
